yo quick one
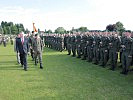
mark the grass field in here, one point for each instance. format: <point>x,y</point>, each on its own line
<point>63,78</point>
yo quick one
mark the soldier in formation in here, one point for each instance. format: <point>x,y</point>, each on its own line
<point>100,48</point>
<point>54,41</point>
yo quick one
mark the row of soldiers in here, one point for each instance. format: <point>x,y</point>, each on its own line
<point>54,41</point>
<point>98,48</point>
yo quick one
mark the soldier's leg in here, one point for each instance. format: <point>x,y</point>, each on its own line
<point>66,46</point>
<point>101,57</point>
<point>123,61</point>
<point>69,49</point>
<point>105,57</point>
<point>94,55</point>
<point>128,63</point>
<point>35,57</point>
<point>32,54</point>
<point>40,59</point>
<point>132,61</point>
<point>114,58</point>
<point>110,60</point>
<point>79,51</point>
<point>87,49</point>
<point>62,47</point>
<point>84,53</point>
<point>73,51</point>
<point>83,49</point>
<point>91,54</point>
<point>97,56</point>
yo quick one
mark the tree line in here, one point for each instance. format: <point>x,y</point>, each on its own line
<point>7,28</point>
<point>117,27</point>
<point>11,28</point>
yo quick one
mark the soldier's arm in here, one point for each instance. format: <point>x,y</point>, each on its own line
<point>131,51</point>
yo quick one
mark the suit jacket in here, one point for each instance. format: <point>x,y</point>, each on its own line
<point>22,48</point>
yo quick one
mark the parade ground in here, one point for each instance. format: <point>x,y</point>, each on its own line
<point>63,78</point>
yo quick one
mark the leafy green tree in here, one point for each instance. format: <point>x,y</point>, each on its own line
<point>60,30</point>
<point>49,31</point>
<point>10,28</point>
<point>83,29</point>
<point>1,30</point>
<point>111,27</point>
<point>14,29</point>
<point>120,27</point>
<point>5,30</point>
<point>26,31</point>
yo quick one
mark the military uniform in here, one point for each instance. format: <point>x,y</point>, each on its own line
<point>37,47</point>
<point>73,43</point>
<point>90,55</point>
<point>78,45</point>
<point>96,49</point>
<point>114,49</point>
<point>69,45</point>
<point>104,51</point>
<point>31,40</point>
<point>84,46</point>
<point>127,47</point>
<point>65,42</point>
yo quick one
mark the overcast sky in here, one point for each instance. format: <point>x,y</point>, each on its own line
<point>50,14</point>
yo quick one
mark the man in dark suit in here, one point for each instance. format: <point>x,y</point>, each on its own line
<point>16,49</point>
<point>23,48</point>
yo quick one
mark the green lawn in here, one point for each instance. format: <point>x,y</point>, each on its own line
<point>63,78</point>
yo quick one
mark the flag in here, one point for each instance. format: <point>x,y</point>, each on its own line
<point>34,28</point>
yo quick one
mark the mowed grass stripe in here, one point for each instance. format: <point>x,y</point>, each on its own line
<point>63,78</point>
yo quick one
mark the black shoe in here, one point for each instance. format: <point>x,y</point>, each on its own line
<point>83,59</point>
<point>96,63</point>
<point>78,57</point>
<point>35,64</point>
<point>124,73</point>
<point>89,61</point>
<point>25,69</point>
<point>41,67</point>
<point>68,54</point>
<point>101,65</point>
<point>112,69</point>
<point>73,55</point>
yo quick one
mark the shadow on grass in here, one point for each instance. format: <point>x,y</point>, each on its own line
<point>7,55</point>
<point>7,62</point>
<point>11,68</point>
